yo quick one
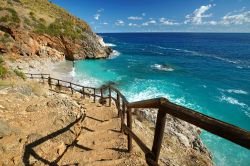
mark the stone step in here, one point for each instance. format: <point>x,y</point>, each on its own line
<point>78,156</point>
<point>116,162</point>
<point>108,142</point>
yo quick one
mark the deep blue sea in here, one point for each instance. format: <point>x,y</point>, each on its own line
<point>208,72</point>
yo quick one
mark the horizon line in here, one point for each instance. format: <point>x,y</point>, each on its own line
<point>173,32</point>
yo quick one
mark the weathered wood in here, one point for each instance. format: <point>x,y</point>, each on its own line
<point>94,95</point>
<point>101,93</point>
<point>217,127</point>
<point>70,85</point>
<point>83,93</point>
<point>151,103</point>
<point>139,142</point>
<point>49,82</point>
<point>58,85</point>
<point>159,133</point>
<point>109,96</point>
<point>42,78</point>
<point>129,124</point>
<point>118,104</point>
<point>122,116</point>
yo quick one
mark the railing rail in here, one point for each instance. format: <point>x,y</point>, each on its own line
<point>212,125</point>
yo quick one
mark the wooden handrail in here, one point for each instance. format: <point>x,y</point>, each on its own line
<point>212,125</point>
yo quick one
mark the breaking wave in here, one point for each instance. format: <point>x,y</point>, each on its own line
<point>110,44</point>
<point>162,67</point>
<point>114,54</point>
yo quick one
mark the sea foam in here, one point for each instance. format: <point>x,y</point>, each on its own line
<point>114,54</point>
<point>232,100</point>
<point>237,91</point>
<point>110,44</point>
<point>162,67</point>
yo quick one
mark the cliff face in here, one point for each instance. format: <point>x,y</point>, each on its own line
<point>41,29</point>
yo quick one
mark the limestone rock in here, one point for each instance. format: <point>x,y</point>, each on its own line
<point>4,129</point>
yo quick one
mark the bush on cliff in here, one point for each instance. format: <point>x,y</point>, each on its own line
<point>13,18</point>
<point>3,69</point>
<point>60,28</point>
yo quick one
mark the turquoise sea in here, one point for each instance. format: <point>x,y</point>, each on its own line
<point>208,72</point>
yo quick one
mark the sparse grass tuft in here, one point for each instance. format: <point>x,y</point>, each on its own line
<point>20,74</point>
<point>37,88</point>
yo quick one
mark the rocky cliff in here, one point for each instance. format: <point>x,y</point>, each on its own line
<point>39,28</point>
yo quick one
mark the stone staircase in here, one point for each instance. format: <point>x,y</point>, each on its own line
<point>100,141</point>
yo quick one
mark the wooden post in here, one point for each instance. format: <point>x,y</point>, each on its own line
<point>101,94</point>
<point>129,123</point>
<point>109,96</point>
<point>94,95</point>
<point>42,77</point>
<point>31,76</point>
<point>49,82</point>
<point>58,84</point>
<point>122,116</point>
<point>83,93</point>
<point>159,133</point>
<point>72,92</point>
<point>118,104</point>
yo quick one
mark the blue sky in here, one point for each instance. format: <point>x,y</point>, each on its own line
<point>162,15</point>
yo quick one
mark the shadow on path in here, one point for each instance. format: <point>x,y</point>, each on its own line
<point>28,151</point>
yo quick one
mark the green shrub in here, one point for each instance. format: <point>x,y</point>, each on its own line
<point>14,14</point>
<point>20,74</point>
<point>10,3</point>
<point>3,70</point>
<point>14,18</point>
<point>1,60</point>
<point>27,21</point>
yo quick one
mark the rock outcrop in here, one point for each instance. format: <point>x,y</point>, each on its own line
<point>26,30</point>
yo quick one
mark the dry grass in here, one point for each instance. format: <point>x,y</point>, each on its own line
<point>37,88</point>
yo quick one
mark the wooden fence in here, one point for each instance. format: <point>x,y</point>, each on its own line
<point>212,125</point>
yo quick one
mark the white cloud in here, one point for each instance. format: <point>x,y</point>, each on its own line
<point>165,21</point>
<point>212,22</point>
<point>119,23</point>
<point>105,23</point>
<point>143,14</point>
<point>100,10</point>
<point>133,25</point>
<point>197,16</point>
<point>151,21</point>
<point>134,18</point>
<point>97,16</point>
<point>237,19</point>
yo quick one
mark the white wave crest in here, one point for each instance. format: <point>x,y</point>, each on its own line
<point>233,101</point>
<point>114,54</point>
<point>237,91</point>
<point>162,67</point>
<point>110,44</point>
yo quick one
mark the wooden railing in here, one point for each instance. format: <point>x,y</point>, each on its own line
<point>217,127</point>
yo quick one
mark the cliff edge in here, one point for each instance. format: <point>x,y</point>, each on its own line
<point>42,29</point>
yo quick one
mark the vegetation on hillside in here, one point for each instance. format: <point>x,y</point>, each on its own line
<point>3,69</point>
<point>6,72</point>
<point>42,17</point>
<point>11,17</point>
